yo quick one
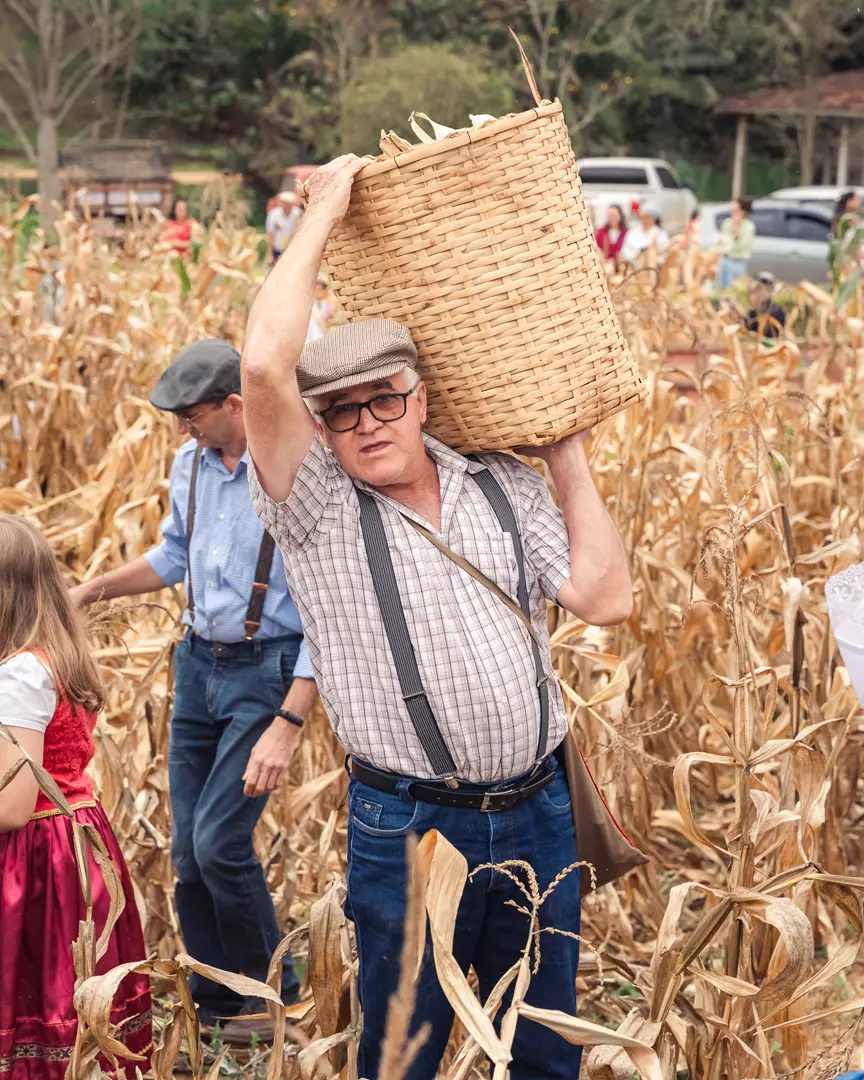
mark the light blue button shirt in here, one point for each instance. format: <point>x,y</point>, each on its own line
<point>225,543</point>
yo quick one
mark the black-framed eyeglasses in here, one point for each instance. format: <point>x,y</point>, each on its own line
<point>384,407</point>
<point>189,420</point>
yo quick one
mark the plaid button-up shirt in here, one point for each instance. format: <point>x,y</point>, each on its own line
<point>474,655</point>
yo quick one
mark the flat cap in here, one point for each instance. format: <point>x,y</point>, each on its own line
<point>358,352</point>
<point>204,371</point>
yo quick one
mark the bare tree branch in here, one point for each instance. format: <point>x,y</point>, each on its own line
<point>15,67</point>
<point>20,133</point>
<point>85,74</point>
<point>24,15</point>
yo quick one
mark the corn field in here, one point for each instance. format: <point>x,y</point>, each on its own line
<point>719,721</point>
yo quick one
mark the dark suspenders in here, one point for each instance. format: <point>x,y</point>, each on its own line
<point>262,568</point>
<point>399,639</point>
<point>190,523</point>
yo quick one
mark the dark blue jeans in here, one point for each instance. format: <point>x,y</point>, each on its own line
<point>490,933</point>
<point>221,708</point>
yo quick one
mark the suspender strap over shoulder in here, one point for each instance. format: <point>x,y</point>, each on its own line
<point>399,639</point>
<point>255,609</point>
<point>190,525</point>
<point>259,585</point>
<point>507,520</point>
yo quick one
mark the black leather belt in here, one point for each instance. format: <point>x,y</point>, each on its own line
<point>227,650</point>
<point>490,801</point>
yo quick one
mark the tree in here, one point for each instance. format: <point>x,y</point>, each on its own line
<point>426,78</point>
<point>52,51</point>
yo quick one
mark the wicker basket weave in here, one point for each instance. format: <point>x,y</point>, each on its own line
<point>481,243</point>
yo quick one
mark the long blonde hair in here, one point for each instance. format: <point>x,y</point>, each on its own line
<point>37,613</point>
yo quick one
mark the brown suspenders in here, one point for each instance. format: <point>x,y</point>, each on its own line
<point>252,621</point>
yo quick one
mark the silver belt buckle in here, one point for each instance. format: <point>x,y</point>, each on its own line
<point>486,806</point>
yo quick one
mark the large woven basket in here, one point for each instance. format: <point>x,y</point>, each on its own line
<point>482,244</point>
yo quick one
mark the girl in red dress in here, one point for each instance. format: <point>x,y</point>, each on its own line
<point>49,697</point>
<point>177,230</point>
<point>611,236</point>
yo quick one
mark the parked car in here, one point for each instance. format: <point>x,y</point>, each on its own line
<point>791,238</point>
<point>625,180</point>
<point>821,195</point>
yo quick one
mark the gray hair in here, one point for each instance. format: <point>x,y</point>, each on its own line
<point>316,403</point>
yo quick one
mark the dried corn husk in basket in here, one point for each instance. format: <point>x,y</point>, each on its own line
<point>482,244</point>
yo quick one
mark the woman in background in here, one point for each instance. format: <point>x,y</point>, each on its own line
<point>735,243</point>
<point>177,230</point>
<point>645,237</point>
<point>50,694</point>
<point>847,213</point>
<point>610,237</point>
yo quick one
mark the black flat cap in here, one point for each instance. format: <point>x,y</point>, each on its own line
<point>204,371</point>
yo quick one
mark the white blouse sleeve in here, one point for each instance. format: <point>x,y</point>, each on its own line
<point>845,595</point>
<point>27,695</point>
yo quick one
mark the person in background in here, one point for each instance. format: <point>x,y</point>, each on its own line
<point>846,257</point>
<point>282,222</point>
<point>689,239</point>
<point>610,237</point>
<point>242,682</point>
<point>765,318</point>
<point>646,235</point>
<point>50,693</point>
<point>342,468</point>
<point>177,230</point>
<point>847,213</point>
<point>735,243</point>
<point>322,307</point>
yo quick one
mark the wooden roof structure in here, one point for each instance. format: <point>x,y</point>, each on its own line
<point>117,161</point>
<point>838,96</point>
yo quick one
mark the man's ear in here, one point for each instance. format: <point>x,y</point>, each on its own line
<point>235,403</point>
<point>421,400</point>
<point>321,428</point>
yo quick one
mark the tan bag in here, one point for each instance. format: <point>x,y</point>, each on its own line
<point>600,840</point>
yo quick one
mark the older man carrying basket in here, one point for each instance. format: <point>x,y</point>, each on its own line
<point>446,703</point>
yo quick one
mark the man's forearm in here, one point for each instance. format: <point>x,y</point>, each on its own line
<point>132,579</point>
<point>599,589</point>
<point>301,696</point>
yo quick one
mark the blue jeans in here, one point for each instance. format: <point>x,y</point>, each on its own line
<point>729,271</point>
<point>490,933</point>
<point>221,708</point>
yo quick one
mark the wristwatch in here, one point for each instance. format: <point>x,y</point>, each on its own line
<point>291,717</point>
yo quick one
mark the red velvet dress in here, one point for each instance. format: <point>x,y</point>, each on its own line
<point>41,904</point>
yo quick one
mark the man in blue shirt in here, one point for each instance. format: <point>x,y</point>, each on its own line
<point>243,681</point>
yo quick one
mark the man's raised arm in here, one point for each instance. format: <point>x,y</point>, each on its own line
<point>279,428</point>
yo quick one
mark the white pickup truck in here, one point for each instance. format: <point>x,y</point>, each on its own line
<point>649,181</point>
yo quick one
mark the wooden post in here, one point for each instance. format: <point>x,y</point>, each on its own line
<point>843,155</point>
<point>739,164</point>
<point>808,145</point>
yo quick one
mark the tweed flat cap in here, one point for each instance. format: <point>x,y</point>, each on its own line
<point>204,371</point>
<point>358,352</point>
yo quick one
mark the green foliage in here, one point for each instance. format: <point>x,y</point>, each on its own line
<point>842,259</point>
<point>183,274</point>
<point>427,78</point>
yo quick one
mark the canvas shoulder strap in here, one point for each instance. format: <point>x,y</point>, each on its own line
<point>190,524</point>
<point>399,639</point>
